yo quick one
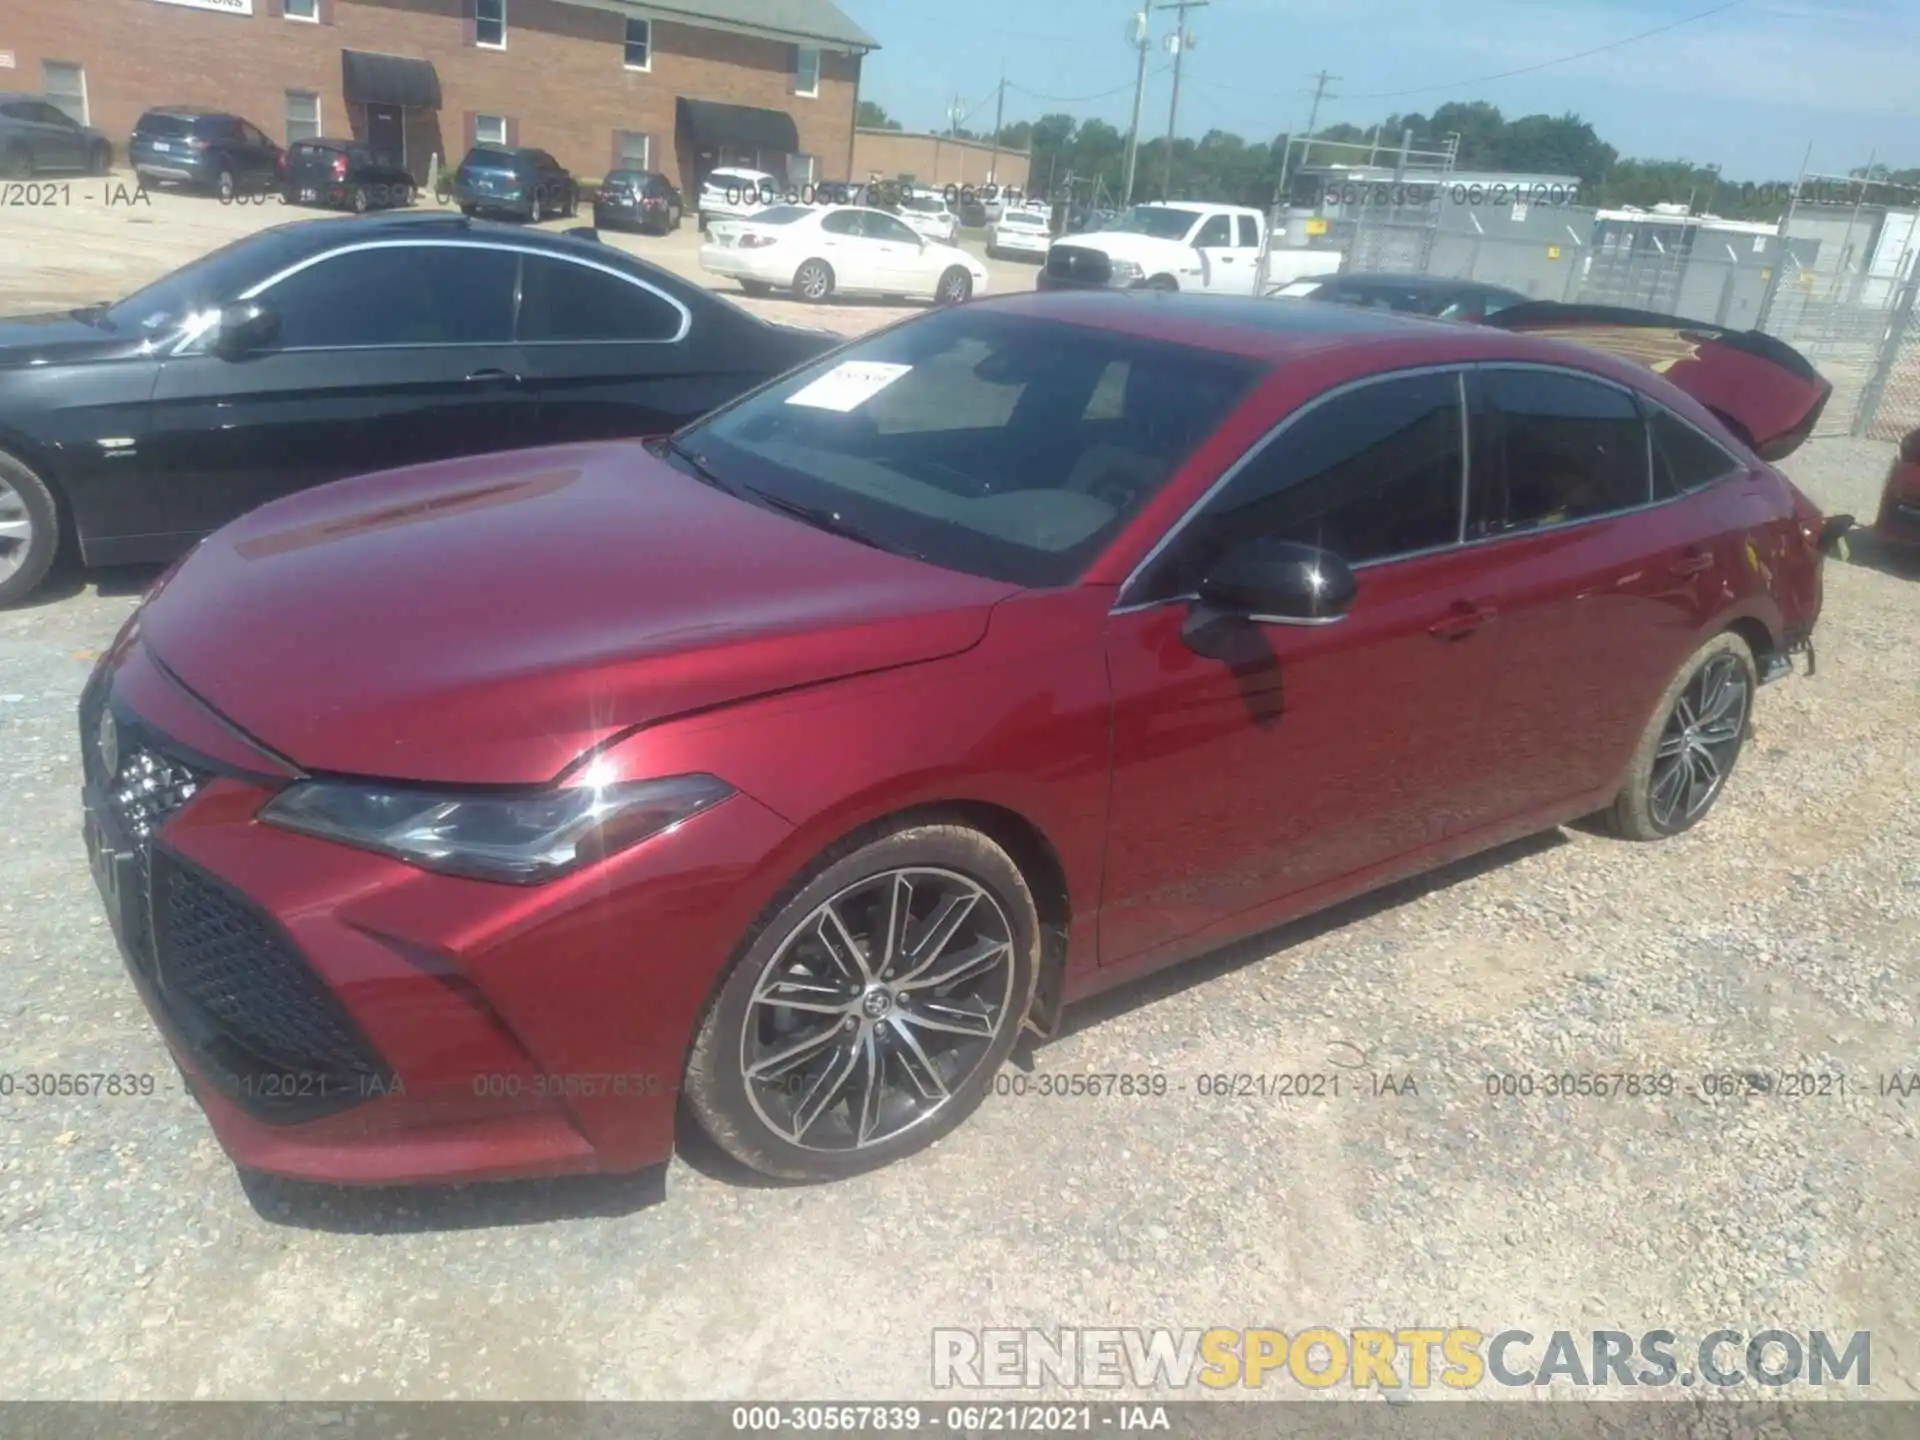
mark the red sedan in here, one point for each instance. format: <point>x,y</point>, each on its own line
<point>472,819</point>
<point>1898,522</point>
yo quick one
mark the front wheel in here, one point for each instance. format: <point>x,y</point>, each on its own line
<point>1690,746</point>
<point>756,287</point>
<point>955,287</point>
<point>1163,283</point>
<point>813,281</point>
<point>224,187</point>
<point>867,1016</point>
<point>100,158</point>
<point>29,530</point>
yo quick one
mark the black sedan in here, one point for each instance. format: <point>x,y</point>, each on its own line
<point>328,348</point>
<point>1433,295</point>
<point>345,174</point>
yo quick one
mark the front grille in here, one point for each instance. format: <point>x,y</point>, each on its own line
<point>1079,264</point>
<point>266,1028</point>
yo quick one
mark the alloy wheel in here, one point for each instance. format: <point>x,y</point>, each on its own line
<point>16,530</point>
<point>225,185</point>
<point>1699,742</point>
<point>955,287</point>
<point>877,1008</point>
<point>813,282</point>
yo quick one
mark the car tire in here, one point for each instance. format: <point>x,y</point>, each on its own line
<point>755,287</point>
<point>1163,283</point>
<point>813,282</point>
<point>224,185</point>
<point>359,201</point>
<point>919,1060</point>
<point>573,203</point>
<point>469,210</point>
<point>1690,746</point>
<point>955,287</point>
<point>29,530</point>
<point>16,162</point>
<point>100,158</point>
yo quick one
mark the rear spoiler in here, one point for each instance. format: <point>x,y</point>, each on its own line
<point>1761,388</point>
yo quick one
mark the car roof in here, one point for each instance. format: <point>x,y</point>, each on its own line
<point>1278,331</point>
<point>1386,280</point>
<point>188,112</point>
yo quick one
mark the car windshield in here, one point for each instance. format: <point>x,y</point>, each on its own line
<point>999,445</point>
<point>782,215</point>
<point>1162,222</point>
<point>214,279</point>
<point>163,125</point>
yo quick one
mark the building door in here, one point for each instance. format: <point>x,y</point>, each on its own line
<point>387,133</point>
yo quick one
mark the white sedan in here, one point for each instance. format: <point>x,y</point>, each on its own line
<point>818,251</point>
<point>1020,232</point>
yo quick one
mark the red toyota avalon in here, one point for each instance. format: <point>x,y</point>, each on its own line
<point>488,818</point>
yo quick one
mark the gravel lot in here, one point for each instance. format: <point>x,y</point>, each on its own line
<point>1783,934</point>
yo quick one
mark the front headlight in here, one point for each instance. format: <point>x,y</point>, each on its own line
<point>1126,270</point>
<point>518,839</point>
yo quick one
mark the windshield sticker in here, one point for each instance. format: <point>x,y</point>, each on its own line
<point>848,385</point>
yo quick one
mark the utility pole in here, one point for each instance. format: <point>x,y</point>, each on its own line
<point>999,108</point>
<point>1179,43</point>
<point>1142,41</point>
<point>1320,83</point>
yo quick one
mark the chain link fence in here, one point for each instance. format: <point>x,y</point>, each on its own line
<point>1844,296</point>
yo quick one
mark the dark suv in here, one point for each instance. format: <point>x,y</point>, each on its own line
<point>345,173</point>
<point>38,136</point>
<point>208,149</point>
<point>528,184</point>
<point>645,198</point>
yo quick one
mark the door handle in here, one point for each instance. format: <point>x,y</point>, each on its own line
<point>1461,621</point>
<point>1693,560</point>
<point>493,377</point>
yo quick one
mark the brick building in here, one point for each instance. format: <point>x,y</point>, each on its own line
<point>936,159</point>
<point>678,86</point>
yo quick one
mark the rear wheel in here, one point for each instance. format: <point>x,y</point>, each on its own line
<point>100,158</point>
<point>29,530</point>
<point>867,1016</point>
<point>359,200</point>
<point>1163,282</point>
<point>224,186</point>
<point>813,281</point>
<point>1690,746</point>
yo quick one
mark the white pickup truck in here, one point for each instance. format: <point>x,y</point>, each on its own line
<point>1178,246</point>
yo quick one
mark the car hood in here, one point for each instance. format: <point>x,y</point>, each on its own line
<point>57,338</point>
<point>1123,245</point>
<point>1763,389</point>
<point>485,621</point>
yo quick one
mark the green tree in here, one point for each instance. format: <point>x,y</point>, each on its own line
<point>870,115</point>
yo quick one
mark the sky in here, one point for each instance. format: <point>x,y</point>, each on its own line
<point>1749,88</point>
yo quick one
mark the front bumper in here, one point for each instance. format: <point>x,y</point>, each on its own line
<point>343,1017</point>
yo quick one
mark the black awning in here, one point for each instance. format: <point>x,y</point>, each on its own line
<point>714,124</point>
<point>371,79</point>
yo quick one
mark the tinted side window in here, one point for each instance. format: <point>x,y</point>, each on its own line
<point>398,295</point>
<point>885,227</point>
<point>1568,448</point>
<point>560,300</point>
<point>1217,231</point>
<point>1370,474</point>
<point>844,222</point>
<point>1683,458</point>
<point>1249,233</point>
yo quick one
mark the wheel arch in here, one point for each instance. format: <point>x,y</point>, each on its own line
<point>1759,637</point>
<point>15,447</point>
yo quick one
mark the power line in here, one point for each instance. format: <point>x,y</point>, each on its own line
<point>1082,99</point>
<point>1503,74</point>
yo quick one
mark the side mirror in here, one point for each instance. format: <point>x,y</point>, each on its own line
<point>1280,582</point>
<point>244,328</point>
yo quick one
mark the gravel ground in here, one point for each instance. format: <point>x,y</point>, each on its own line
<point>1784,934</point>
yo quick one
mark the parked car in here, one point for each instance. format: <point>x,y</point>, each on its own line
<point>1215,248</point>
<point>345,173</point>
<point>1019,232</point>
<point>37,137</point>
<point>821,251</point>
<point>925,212</point>
<point>1434,295</point>
<point>528,184</point>
<point>1006,654</point>
<point>325,348</point>
<point>642,199</point>
<point>206,149</point>
<point>1898,522</point>
<point>732,193</point>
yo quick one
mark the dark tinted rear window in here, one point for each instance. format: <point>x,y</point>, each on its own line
<point>163,125</point>
<point>483,159</point>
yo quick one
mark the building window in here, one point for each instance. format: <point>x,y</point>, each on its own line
<point>65,85</point>
<point>806,70</point>
<point>636,151</point>
<point>639,44</point>
<point>490,23</point>
<point>800,171</point>
<point>308,10</point>
<point>490,130</point>
<point>303,115</point>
